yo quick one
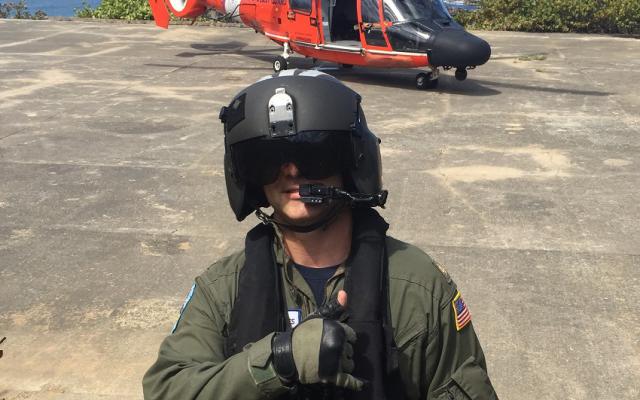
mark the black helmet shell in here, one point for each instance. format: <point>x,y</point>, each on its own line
<point>320,103</point>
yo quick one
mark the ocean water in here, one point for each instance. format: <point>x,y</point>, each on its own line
<point>63,8</point>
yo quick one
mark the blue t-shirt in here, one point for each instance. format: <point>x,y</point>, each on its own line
<point>316,278</point>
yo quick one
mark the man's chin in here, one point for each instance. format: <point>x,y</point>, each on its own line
<point>307,216</point>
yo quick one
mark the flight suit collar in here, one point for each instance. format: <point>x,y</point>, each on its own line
<point>299,294</point>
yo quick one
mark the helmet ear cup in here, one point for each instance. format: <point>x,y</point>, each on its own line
<point>366,172</point>
<point>244,198</point>
<point>236,189</point>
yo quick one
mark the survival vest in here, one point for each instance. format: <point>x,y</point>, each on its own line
<point>260,306</point>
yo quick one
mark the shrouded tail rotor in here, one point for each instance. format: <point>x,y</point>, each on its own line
<point>182,9</point>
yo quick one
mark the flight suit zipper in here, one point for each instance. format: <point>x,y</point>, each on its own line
<point>331,286</point>
<point>299,297</point>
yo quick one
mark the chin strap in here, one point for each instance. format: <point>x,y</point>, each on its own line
<point>323,222</point>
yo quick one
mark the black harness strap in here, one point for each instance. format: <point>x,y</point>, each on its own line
<point>366,285</point>
<point>259,308</point>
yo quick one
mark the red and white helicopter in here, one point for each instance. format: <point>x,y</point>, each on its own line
<point>368,33</point>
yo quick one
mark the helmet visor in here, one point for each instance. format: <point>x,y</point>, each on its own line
<point>317,155</point>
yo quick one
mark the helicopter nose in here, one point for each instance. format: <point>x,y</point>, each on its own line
<point>459,48</point>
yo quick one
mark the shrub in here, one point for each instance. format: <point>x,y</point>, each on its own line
<point>623,16</point>
<point>117,9</point>
<point>85,11</point>
<point>601,16</point>
<point>19,10</point>
<point>127,9</point>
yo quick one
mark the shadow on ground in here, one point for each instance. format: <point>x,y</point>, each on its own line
<point>393,78</point>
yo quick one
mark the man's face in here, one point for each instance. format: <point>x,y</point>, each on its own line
<point>284,197</point>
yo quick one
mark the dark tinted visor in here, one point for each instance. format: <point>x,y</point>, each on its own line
<point>318,155</point>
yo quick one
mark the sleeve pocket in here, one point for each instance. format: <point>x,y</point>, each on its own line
<point>473,380</point>
<point>469,382</point>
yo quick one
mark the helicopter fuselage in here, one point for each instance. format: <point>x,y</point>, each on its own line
<point>371,33</point>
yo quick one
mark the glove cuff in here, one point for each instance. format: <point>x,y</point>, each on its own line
<point>283,361</point>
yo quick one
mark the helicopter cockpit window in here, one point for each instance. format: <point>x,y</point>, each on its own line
<point>301,5</point>
<point>370,11</point>
<point>371,23</point>
<point>411,10</point>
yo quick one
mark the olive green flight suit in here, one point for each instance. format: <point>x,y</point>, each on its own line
<point>437,361</point>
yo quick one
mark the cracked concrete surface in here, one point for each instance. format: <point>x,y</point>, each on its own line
<point>523,180</point>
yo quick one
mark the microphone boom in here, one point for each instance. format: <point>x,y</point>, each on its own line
<point>321,194</point>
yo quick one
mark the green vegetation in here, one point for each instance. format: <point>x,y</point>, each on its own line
<point>19,10</point>
<point>126,9</point>
<point>595,16</point>
<point>117,9</point>
<point>85,12</point>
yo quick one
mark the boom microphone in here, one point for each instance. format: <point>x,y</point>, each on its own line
<point>321,194</point>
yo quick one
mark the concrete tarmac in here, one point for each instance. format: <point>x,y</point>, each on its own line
<point>522,180</point>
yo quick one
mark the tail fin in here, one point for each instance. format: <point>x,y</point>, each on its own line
<point>160,13</point>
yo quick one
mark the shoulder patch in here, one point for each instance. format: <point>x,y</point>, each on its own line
<point>460,311</point>
<point>184,306</point>
<point>443,271</point>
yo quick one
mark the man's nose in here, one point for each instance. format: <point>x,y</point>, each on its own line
<point>290,169</point>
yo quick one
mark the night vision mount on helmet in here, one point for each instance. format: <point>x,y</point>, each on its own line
<point>308,118</point>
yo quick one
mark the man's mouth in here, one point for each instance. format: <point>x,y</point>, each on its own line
<point>292,192</point>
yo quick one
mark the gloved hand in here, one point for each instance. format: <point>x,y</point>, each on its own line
<point>318,350</point>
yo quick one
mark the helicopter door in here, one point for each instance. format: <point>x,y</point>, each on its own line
<point>303,18</point>
<point>344,22</point>
<point>327,18</point>
<point>370,23</point>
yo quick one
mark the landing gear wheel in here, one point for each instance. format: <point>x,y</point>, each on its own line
<point>424,81</point>
<point>346,66</point>
<point>461,74</point>
<point>280,64</point>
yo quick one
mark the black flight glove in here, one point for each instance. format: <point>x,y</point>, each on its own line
<point>319,350</point>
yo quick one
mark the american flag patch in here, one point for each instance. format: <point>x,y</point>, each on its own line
<point>460,311</point>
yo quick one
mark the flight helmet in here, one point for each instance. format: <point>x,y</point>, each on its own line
<point>302,116</point>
